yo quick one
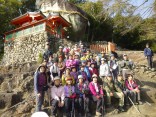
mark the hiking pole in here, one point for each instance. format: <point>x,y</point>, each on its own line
<point>134,104</point>
<point>103,107</point>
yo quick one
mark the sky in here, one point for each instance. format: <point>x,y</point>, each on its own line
<point>144,10</point>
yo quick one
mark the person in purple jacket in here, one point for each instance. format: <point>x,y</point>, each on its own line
<point>40,86</point>
<point>97,94</point>
<point>70,96</point>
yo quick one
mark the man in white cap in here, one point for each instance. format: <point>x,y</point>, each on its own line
<point>39,114</point>
<point>57,96</point>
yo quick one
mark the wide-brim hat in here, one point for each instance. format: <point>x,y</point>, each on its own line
<point>94,76</point>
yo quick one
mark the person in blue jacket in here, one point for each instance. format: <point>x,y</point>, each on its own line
<point>149,55</point>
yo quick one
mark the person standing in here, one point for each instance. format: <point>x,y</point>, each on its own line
<point>40,86</point>
<point>47,52</point>
<point>149,56</point>
<point>113,65</point>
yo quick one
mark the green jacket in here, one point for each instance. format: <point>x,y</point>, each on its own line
<point>111,87</point>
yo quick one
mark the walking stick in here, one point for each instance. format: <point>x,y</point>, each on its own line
<point>134,105</point>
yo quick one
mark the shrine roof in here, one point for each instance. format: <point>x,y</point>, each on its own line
<point>27,17</point>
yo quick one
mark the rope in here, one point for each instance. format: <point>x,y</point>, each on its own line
<point>69,12</point>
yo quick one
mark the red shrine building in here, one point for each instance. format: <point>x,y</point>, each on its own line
<point>33,22</point>
<point>29,38</point>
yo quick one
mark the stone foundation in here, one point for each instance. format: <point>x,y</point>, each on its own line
<point>25,49</point>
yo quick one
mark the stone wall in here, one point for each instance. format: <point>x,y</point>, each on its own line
<point>25,49</point>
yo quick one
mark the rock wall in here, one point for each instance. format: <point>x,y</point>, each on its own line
<point>25,49</point>
<point>73,14</point>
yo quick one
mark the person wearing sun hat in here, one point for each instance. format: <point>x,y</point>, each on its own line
<point>40,86</point>
<point>57,96</point>
<point>60,52</point>
<point>70,96</point>
<point>97,93</point>
<point>67,75</point>
<point>82,91</point>
<point>126,66</point>
<point>112,90</point>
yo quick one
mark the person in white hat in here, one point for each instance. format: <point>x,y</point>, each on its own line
<point>60,53</point>
<point>57,96</point>
<point>97,94</point>
<point>82,91</point>
<point>39,114</point>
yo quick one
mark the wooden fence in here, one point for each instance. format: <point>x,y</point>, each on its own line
<point>103,47</point>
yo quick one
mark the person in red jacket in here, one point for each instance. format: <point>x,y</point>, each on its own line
<point>93,70</point>
<point>133,87</point>
<point>97,94</point>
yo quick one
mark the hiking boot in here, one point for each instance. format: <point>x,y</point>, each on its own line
<point>121,109</point>
<point>98,113</point>
<point>140,102</point>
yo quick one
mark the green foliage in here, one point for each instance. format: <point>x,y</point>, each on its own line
<point>100,26</point>
<point>40,58</point>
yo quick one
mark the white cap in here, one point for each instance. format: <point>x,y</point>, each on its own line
<point>60,47</point>
<point>80,76</point>
<point>103,59</point>
<point>94,75</point>
<point>39,114</point>
<point>56,78</point>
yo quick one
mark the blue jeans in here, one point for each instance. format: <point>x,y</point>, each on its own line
<point>39,101</point>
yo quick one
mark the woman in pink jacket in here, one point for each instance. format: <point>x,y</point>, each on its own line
<point>70,62</point>
<point>133,87</point>
<point>97,94</point>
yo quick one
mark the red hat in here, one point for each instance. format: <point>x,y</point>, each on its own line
<point>68,78</point>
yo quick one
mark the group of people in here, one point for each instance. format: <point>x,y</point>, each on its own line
<point>76,77</point>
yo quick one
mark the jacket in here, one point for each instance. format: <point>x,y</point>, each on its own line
<point>81,90</point>
<point>57,93</point>
<point>93,90</point>
<point>148,52</point>
<point>109,86</point>
<point>69,91</point>
<point>39,85</point>
<point>104,69</point>
<point>130,85</point>
<point>70,62</point>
